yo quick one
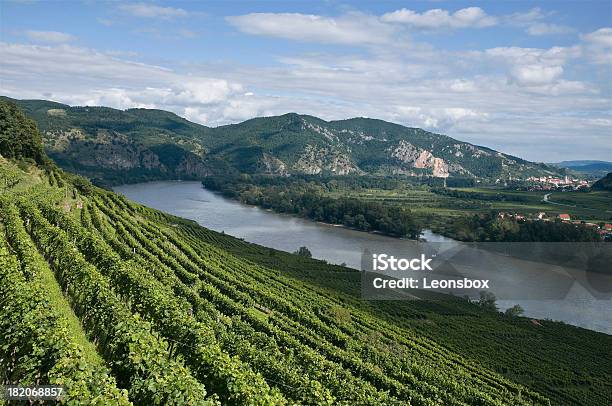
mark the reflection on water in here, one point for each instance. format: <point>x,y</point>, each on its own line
<point>335,244</point>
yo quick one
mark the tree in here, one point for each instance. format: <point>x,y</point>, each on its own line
<point>304,252</point>
<point>19,136</point>
<point>514,311</point>
<point>487,300</point>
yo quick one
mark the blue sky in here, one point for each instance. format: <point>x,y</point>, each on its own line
<point>528,78</point>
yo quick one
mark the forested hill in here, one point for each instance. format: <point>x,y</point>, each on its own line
<point>127,305</point>
<point>604,183</point>
<point>118,146</point>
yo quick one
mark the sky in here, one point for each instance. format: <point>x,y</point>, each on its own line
<point>533,79</point>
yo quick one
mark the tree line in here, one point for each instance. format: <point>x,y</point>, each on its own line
<point>307,199</point>
<point>489,227</point>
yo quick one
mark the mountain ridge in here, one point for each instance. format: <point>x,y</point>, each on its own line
<point>593,168</point>
<point>120,146</point>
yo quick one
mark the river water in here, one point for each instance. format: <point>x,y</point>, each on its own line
<point>335,244</point>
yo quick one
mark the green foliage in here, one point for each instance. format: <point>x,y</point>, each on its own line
<point>35,344</point>
<point>498,196</point>
<point>81,184</point>
<point>19,137</point>
<point>306,198</point>
<point>514,311</point>
<point>489,227</point>
<point>487,301</point>
<point>304,252</point>
<point>170,315</point>
<point>139,360</point>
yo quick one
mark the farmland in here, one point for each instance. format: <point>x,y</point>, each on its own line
<point>592,206</point>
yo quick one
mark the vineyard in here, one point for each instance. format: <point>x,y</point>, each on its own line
<point>124,304</point>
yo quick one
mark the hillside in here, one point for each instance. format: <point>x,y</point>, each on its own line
<point>127,304</point>
<point>117,146</point>
<point>604,183</point>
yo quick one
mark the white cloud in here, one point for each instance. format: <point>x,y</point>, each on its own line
<point>438,18</point>
<point>152,11</point>
<point>462,85</point>
<point>52,37</point>
<point>536,74</point>
<point>354,28</point>
<point>598,46</point>
<point>458,113</point>
<point>534,66</point>
<point>434,118</point>
<point>58,71</point>
<point>425,88</point>
<point>201,91</point>
<point>532,22</point>
<point>527,17</point>
<point>602,37</point>
<point>548,29</point>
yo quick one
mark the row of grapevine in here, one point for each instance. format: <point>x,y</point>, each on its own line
<point>266,321</point>
<point>139,360</point>
<point>346,386</point>
<point>275,367</point>
<point>231,380</point>
<point>381,378</point>
<point>320,344</point>
<point>36,346</point>
<point>425,348</point>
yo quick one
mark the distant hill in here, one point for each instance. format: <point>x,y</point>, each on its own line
<point>576,163</point>
<point>120,146</point>
<point>604,183</point>
<point>590,167</point>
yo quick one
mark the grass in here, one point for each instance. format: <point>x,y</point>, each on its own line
<point>597,201</point>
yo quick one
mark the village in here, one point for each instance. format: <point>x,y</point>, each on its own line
<point>603,229</point>
<point>552,183</point>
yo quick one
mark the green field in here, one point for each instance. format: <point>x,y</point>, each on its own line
<point>596,203</point>
<point>592,206</point>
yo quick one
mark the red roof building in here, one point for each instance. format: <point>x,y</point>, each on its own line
<point>565,217</point>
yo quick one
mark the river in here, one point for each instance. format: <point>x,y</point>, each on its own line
<point>333,243</point>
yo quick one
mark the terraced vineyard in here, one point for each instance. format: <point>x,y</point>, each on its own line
<point>122,303</point>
